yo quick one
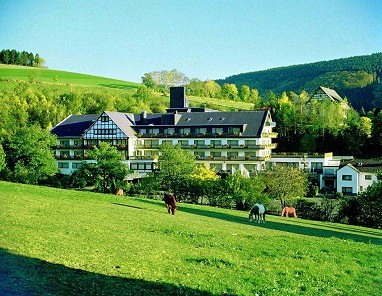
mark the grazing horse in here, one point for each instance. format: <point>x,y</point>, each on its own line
<point>170,201</point>
<point>288,210</point>
<point>119,192</point>
<point>258,212</point>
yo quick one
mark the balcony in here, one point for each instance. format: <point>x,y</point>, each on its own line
<point>232,158</point>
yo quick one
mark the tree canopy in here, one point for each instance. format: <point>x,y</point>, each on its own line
<point>29,155</point>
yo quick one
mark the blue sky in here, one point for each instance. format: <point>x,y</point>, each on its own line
<point>208,39</point>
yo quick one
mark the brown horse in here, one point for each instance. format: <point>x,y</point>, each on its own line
<point>170,201</point>
<point>288,210</point>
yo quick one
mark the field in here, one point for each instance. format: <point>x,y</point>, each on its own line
<point>61,242</point>
<point>12,72</point>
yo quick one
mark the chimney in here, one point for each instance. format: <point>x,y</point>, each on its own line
<point>178,97</point>
<point>143,116</point>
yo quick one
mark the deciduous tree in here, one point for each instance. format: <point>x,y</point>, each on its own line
<point>175,165</point>
<point>109,169</point>
<point>286,183</point>
<point>29,155</point>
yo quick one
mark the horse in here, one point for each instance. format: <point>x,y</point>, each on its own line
<point>258,212</point>
<point>289,210</point>
<point>170,201</point>
<point>119,192</point>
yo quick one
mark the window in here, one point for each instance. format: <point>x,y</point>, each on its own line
<point>105,131</point>
<point>200,130</point>
<point>183,143</point>
<point>233,142</point>
<point>104,118</point>
<point>200,143</point>
<point>63,165</point>
<point>216,142</point>
<point>232,130</point>
<point>76,165</point>
<point>347,190</point>
<point>216,130</point>
<point>346,177</point>
<point>367,177</point>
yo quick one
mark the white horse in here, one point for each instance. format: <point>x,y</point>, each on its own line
<point>258,211</point>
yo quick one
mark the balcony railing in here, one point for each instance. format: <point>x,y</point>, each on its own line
<point>232,158</point>
<point>188,135</point>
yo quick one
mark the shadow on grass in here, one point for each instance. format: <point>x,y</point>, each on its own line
<point>296,227</point>
<point>119,86</point>
<point>123,205</point>
<point>21,275</point>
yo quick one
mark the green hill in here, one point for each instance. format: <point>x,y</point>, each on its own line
<point>358,78</point>
<point>21,73</point>
<point>61,242</point>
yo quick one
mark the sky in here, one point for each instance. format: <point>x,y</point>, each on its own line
<point>209,39</point>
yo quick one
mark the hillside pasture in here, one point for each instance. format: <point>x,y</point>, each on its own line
<point>61,242</point>
<point>21,73</point>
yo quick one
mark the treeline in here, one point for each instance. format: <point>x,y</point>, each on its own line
<point>303,77</point>
<point>21,58</point>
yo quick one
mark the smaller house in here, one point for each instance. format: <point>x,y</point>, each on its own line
<point>324,93</point>
<point>321,167</point>
<point>354,177</point>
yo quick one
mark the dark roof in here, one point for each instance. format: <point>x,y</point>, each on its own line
<point>74,125</point>
<point>251,123</point>
<point>371,165</point>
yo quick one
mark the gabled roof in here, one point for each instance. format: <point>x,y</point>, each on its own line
<point>123,120</point>
<point>365,165</point>
<point>74,125</point>
<point>331,93</point>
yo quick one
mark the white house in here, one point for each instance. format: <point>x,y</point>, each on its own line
<point>354,178</point>
<point>322,167</point>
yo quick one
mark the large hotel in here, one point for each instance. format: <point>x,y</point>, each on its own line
<point>223,141</point>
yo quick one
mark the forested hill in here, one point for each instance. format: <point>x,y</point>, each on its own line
<point>357,78</point>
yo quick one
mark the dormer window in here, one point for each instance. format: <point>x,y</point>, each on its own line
<point>222,118</point>
<point>210,119</point>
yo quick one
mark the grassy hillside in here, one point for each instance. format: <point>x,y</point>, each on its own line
<point>12,72</point>
<point>59,242</point>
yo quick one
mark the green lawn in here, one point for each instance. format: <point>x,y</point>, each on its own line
<point>60,242</point>
<point>220,104</point>
<point>12,72</point>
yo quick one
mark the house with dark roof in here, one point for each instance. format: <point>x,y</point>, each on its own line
<point>223,141</point>
<point>324,93</point>
<point>354,177</point>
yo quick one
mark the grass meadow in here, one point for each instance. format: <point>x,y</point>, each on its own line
<point>62,242</point>
<point>13,72</point>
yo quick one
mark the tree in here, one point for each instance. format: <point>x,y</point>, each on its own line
<point>245,190</point>
<point>202,182</point>
<point>371,204</point>
<point>29,155</point>
<point>229,91</point>
<point>245,92</point>
<point>148,80</point>
<point>212,88</point>
<point>108,171</point>
<point>286,183</point>
<point>175,166</point>
<point>143,93</point>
